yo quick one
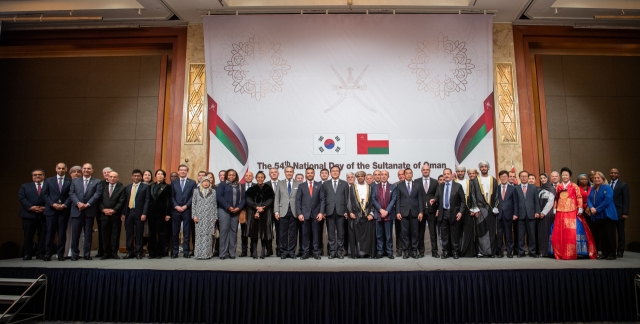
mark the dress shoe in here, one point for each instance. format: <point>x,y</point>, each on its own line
<point>283,257</point>
<point>500,255</point>
<point>378,256</point>
<point>304,256</point>
<point>405,256</point>
<point>421,255</point>
<point>533,255</point>
<point>435,254</point>
<point>340,256</point>
<point>159,257</point>
<point>480,255</point>
<point>151,256</point>
<point>399,253</point>
<point>39,257</point>
<point>317,256</point>
<point>99,255</point>
<point>600,257</point>
<point>232,257</point>
<point>510,255</point>
<point>278,254</point>
<point>445,256</point>
<point>520,255</point>
<point>332,255</point>
<point>611,257</point>
<point>47,257</point>
<point>187,255</point>
<point>243,254</point>
<point>455,256</point>
<point>105,257</point>
<point>129,256</point>
<point>60,257</point>
<point>26,257</point>
<point>74,257</point>
<point>256,258</point>
<point>88,258</point>
<point>216,253</point>
<point>223,257</point>
<point>493,256</point>
<point>269,253</point>
<point>414,255</point>
<point>138,257</point>
<point>390,256</point>
<point>620,254</point>
<point>174,255</point>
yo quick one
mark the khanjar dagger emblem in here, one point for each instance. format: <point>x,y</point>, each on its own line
<point>347,89</point>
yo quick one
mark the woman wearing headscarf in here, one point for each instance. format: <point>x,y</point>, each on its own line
<point>259,204</point>
<point>604,216</point>
<point>547,195</point>
<point>231,201</point>
<point>570,236</point>
<point>204,212</point>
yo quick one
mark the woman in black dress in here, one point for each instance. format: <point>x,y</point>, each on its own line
<point>260,214</point>
<point>158,215</point>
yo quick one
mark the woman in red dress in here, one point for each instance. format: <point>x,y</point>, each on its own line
<point>571,235</point>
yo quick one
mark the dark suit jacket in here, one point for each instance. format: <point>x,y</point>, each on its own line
<point>336,201</point>
<point>224,195</point>
<point>409,204</point>
<point>180,197</point>
<point>28,197</point>
<point>91,197</point>
<point>307,205</point>
<point>52,195</point>
<point>115,202</point>
<point>621,198</point>
<point>457,203</point>
<point>509,206</point>
<point>427,196</point>
<point>530,205</point>
<point>377,200</point>
<point>159,200</point>
<point>141,201</point>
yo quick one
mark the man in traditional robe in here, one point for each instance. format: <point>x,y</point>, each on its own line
<point>362,228</point>
<point>485,198</point>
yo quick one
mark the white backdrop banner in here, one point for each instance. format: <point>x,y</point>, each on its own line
<point>364,92</point>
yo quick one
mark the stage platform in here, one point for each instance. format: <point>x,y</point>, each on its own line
<point>272,290</point>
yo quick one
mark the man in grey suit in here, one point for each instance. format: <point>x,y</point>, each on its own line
<point>284,209</point>
<point>85,193</point>
<point>310,208</point>
<point>528,211</point>
<point>336,193</point>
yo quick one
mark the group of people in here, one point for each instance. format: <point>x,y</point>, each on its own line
<point>467,213</point>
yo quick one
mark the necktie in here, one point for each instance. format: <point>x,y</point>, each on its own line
<point>504,191</point>
<point>110,190</point>
<point>446,196</point>
<point>426,185</point>
<point>409,187</point>
<point>86,182</point>
<point>39,188</point>
<point>335,185</point>
<point>310,188</point>
<point>289,187</point>
<point>613,184</point>
<point>274,186</point>
<point>60,184</point>
<point>524,189</point>
<point>132,198</point>
<point>384,192</point>
<point>182,185</point>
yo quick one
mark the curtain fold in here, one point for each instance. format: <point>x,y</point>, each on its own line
<point>487,296</point>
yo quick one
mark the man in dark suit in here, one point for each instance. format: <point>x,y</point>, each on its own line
<point>397,224</point>
<point>383,196</point>
<point>409,208</point>
<point>33,206</point>
<point>110,207</point>
<point>58,206</point>
<point>310,204</point>
<point>273,183</point>
<point>85,192</point>
<point>528,210</point>
<point>621,200</point>
<point>336,193</point>
<point>450,199</point>
<point>284,208</point>
<point>244,238</point>
<point>428,187</point>
<point>135,214</point>
<point>507,212</point>
<point>105,183</point>
<point>181,195</point>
